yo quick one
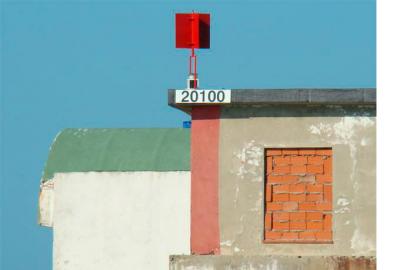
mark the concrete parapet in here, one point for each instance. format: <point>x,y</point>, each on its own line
<point>238,262</point>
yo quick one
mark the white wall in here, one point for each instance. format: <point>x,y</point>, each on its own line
<point>120,220</point>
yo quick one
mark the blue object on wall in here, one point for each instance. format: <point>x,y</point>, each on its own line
<point>187,124</point>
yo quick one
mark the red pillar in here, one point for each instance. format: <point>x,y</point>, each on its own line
<point>204,180</point>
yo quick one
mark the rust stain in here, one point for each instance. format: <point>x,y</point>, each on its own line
<point>355,263</point>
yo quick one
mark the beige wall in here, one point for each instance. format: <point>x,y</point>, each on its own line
<point>246,132</point>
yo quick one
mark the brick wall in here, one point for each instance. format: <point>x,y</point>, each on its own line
<point>298,195</point>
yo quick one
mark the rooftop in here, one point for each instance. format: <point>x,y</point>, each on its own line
<point>298,96</point>
<point>118,149</point>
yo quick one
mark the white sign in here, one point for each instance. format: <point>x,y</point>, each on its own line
<point>209,96</point>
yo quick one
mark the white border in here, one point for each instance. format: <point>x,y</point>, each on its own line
<point>388,170</point>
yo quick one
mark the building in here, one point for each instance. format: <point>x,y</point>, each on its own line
<point>117,198</point>
<point>275,179</point>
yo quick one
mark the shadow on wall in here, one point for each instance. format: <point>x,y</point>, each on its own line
<point>298,111</point>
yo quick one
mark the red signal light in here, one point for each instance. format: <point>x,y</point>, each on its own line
<point>192,30</point>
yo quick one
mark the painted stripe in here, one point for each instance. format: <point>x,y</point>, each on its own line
<point>204,186</point>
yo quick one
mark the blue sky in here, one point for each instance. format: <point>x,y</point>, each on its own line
<point>109,64</point>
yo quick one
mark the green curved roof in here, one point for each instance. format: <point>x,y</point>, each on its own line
<point>120,149</point>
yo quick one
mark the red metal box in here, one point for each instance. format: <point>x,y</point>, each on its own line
<point>192,30</point>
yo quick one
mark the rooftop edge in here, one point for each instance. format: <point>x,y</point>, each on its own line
<point>295,96</point>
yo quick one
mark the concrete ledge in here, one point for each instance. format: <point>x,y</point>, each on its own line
<point>233,262</point>
<point>344,96</point>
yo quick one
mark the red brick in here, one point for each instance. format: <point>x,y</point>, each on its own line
<point>268,221</point>
<point>323,235</point>
<point>328,222</point>
<point>274,179</point>
<point>280,226</point>
<point>273,235</point>
<point>274,152</point>
<point>314,169</point>
<point>281,179</point>
<point>315,160</point>
<point>307,206</point>
<point>290,235</point>
<point>314,216</point>
<point>281,216</point>
<point>306,151</point>
<point>322,178</point>
<point>314,197</point>
<point>280,160</point>
<point>268,165</point>
<point>327,193</point>
<point>297,216</point>
<point>323,152</point>
<point>327,206</point>
<point>280,197</point>
<point>314,188</point>
<point>281,169</point>
<point>328,166</point>
<point>289,179</point>
<point>298,160</point>
<point>301,197</point>
<point>274,206</point>
<point>281,188</point>
<point>290,206</point>
<point>297,188</point>
<point>315,225</point>
<point>307,235</point>
<point>268,193</point>
<point>296,169</point>
<point>297,225</point>
<point>290,151</point>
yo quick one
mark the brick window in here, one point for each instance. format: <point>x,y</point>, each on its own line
<point>298,195</point>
